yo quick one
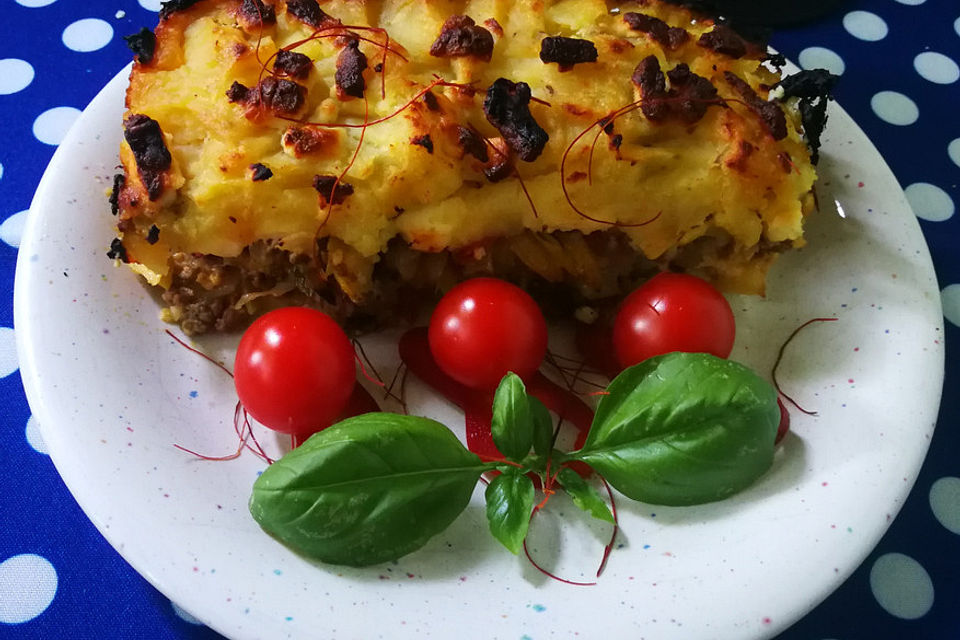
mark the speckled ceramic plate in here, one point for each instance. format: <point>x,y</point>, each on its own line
<point>113,394</point>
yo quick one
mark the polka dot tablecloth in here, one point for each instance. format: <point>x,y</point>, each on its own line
<point>900,80</point>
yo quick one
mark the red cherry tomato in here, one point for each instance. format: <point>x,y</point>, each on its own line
<point>294,370</point>
<point>673,312</point>
<point>484,328</point>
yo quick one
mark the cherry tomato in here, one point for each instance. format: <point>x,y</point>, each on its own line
<point>673,312</point>
<point>294,370</point>
<point>484,328</point>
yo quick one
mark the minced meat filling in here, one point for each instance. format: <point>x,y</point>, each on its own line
<point>564,270</point>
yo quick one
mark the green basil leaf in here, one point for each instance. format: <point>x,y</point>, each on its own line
<point>584,495</point>
<point>683,428</point>
<point>509,505</point>
<point>542,426</point>
<point>511,425</point>
<point>366,490</point>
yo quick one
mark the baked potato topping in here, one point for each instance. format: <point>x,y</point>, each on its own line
<point>362,156</point>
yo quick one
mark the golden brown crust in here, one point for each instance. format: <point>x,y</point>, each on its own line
<point>472,140</point>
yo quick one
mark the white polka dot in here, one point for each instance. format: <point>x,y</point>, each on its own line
<point>950,299</point>
<point>911,2</point>
<point>864,25</point>
<point>15,75</point>
<point>1,171</point>
<point>821,58</point>
<point>936,67</point>
<point>27,586</point>
<point>945,500</point>
<point>12,228</point>
<point>894,108</point>
<point>953,150</point>
<point>901,586</point>
<point>88,34</point>
<point>51,125</point>
<point>150,5</point>
<point>34,437</point>
<point>956,26</point>
<point>35,3</point>
<point>929,202</point>
<point>8,352</point>
<point>182,614</point>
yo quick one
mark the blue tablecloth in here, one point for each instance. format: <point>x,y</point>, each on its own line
<point>898,61</point>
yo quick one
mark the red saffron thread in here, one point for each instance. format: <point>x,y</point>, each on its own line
<point>601,122</point>
<point>616,527</point>
<point>776,364</point>
<point>545,572</point>
<point>199,353</point>
<point>361,356</point>
<point>244,433</point>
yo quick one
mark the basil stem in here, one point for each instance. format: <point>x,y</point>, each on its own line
<point>683,429</point>
<point>367,490</point>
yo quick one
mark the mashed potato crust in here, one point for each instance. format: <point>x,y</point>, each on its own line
<point>250,180</point>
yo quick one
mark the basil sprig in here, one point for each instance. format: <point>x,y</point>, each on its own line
<point>677,429</point>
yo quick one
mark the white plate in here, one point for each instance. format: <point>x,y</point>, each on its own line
<point>113,393</point>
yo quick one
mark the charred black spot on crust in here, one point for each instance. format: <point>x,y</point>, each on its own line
<point>688,99</point>
<point>670,37</point>
<point>279,96</point>
<point>150,152</point>
<point>292,63</point>
<point>813,88</point>
<point>330,190</point>
<point>309,12</point>
<point>424,141</point>
<point>237,92</point>
<point>567,52</point>
<point>153,234</point>
<point>769,112</point>
<point>118,251</point>
<point>616,140</point>
<point>471,142</point>
<point>260,172</point>
<point>256,13</point>
<point>507,107</point>
<point>813,83</point>
<point>776,60</point>
<point>653,88</point>
<point>118,181</point>
<point>813,115</point>
<point>172,6</point>
<point>460,36</point>
<point>751,28</point>
<point>431,101</point>
<point>350,65</point>
<point>694,93</point>
<point>723,39</point>
<point>378,67</point>
<point>143,44</point>
<point>499,171</point>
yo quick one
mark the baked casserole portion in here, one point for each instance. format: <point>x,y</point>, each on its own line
<point>361,157</point>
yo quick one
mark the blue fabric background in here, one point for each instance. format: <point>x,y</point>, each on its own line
<point>100,596</point>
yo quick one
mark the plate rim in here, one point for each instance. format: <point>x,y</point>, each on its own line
<point>30,374</point>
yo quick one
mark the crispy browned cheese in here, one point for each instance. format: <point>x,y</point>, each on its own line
<point>363,157</point>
